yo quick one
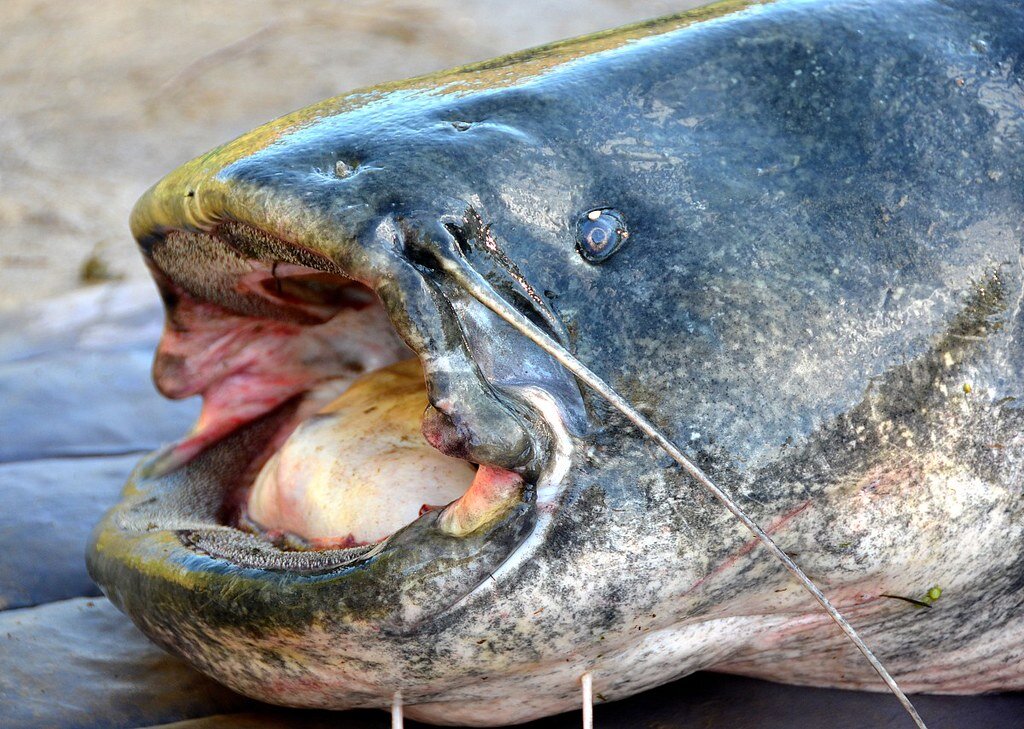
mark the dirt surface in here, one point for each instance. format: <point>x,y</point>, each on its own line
<point>101,99</point>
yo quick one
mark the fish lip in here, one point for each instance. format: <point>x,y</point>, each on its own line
<point>557,400</point>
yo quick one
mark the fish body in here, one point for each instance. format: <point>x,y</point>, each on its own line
<point>792,234</point>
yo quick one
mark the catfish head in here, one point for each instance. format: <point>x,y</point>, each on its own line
<point>390,490</point>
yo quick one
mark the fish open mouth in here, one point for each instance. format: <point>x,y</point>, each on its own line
<point>358,469</point>
<point>373,445</point>
<point>357,450</point>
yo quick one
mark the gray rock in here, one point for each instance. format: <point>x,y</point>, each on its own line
<point>80,663</point>
<point>59,501</point>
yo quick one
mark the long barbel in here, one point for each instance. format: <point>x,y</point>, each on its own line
<point>475,285</point>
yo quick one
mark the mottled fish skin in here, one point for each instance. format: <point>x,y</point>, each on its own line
<point>820,297</point>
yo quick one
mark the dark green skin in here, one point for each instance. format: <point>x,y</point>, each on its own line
<point>825,205</point>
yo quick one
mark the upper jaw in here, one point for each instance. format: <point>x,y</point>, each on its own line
<point>232,316</point>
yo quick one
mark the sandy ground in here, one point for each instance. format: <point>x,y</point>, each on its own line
<point>100,99</point>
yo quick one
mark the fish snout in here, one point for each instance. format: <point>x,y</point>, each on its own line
<point>309,467</point>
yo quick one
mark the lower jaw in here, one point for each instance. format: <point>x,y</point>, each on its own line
<point>165,556</point>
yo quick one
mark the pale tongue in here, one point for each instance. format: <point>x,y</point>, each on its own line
<point>360,469</point>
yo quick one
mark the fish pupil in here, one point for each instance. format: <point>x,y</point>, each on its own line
<point>600,233</point>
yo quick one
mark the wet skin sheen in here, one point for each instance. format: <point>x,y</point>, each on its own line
<point>817,291</point>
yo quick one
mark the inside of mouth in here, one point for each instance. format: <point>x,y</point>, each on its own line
<point>359,469</point>
<point>350,465</point>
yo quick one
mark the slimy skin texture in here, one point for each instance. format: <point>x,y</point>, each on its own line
<point>819,297</point>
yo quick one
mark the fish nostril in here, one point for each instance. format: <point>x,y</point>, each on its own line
<point>345,168</point>
<point>461,126</point>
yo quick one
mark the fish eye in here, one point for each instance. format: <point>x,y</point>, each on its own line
<point>600,233</point>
